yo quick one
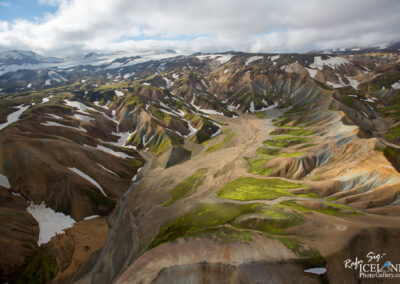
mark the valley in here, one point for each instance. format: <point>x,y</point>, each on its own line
<point>223,168</point>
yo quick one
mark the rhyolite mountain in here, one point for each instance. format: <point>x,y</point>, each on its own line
<point>230,167</point>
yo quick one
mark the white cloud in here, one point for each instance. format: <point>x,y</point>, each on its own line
<point>208,25</point>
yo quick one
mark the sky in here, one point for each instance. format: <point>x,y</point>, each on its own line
<point>70,27</point>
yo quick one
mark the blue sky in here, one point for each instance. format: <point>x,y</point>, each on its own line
<point>30,10</point>
<point>189,26</point>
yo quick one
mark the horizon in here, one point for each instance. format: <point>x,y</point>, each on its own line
<point>64,28</point>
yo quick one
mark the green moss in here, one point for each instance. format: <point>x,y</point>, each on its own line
<point>307,145</point>
<point>261,114</point>
<point>282,121</point>
<point>274,153</point>
<point>228,222</point>
<point>99,201</point>
<point>270,219</point>
<point>186,187</point>
<point>316,177</point>
<point>114,86</point>
<point>393,156</point>
<point>41,269</point>
<point>253,189</point>
<point>383,80</point>
<point>393,133</point>
<point>347,100</point>
<point>229,134</point>
<point>199,221</point>
<point>134,164</point>
<point>293,132</point>
<point>133,100</point>
<point>160,115</point>
<point>268,151</point>
<point>225,235</point>
<point>310,256</point>
<point>257,166</point>
<point>285,141</point>
<point>162,146</point>
<point>328,208</point>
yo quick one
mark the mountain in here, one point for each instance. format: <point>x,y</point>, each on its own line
<point>216,167</point>
<point>18,59</point>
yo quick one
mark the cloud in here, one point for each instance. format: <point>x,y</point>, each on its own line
<point>208,25</point>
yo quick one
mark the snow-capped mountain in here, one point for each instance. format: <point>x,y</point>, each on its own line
<point>14,60</point>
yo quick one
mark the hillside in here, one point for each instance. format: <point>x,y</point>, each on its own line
<point>229,167</point>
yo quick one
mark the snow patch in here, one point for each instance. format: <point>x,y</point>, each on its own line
<point>396,85</point>
<point>316,270</point>
<point>89,179</point>
<point>275,57</point>
<point>56,77</point>
<point>50,222</point>
<point>332,62</point>
<point>47,99</point>
<point>333,85</point>
<point>107,170</point>
<point>354,83</point>
<point>253,58</point>
<point>4,181</point>
<point>220,58</point>
<point>52,123</point>
<point>168,82</point>
<point>112,152</point>
<point>54,116</point>
<point>83,117</point>
<point>119,93</point>
<point>90,217</point>
<point>13,117</point>
<point>80,106</point>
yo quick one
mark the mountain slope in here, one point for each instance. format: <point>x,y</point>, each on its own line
<point>259,164</point>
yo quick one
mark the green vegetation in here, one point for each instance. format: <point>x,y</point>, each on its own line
<point>228,222</point>
<point>268,151</point>
<point>274,153</point>
<point>307,145</point>
<point>161,146</point>
<point>281,121</point>
<point>186,187</point>
<point>229,134</point>
<point>285,141</point>
<point>114,86</point>
<point>393,133</point>
<point>225,235</point>
<point>269,219</point>
<point>198,221</point>
<point>293,132</point>
<point>41,269</point>
<point>316,177</point>
<point>257,166</point>
<point>253,189</point>
<point>134,164</point>
<point>160,115</point>
<point>133,100</point>
<point>98,200</point>
<point>393,156</point>
<point>327,208</point>
<point>311,257</point>
<point>261,114</point>
<point>347,100</point>
<point>383,80</point>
